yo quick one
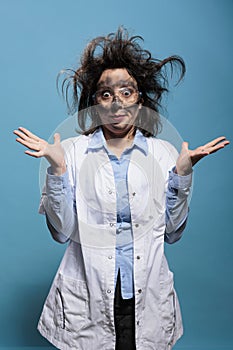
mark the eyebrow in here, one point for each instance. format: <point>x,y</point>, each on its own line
<point>119,83</point>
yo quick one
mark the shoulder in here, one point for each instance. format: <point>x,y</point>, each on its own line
<point>161,147</point>
<point>78,142</point>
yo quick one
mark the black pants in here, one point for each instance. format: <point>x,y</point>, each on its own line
<point>124,317</point>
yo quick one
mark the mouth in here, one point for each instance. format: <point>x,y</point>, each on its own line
<point>117,118</point>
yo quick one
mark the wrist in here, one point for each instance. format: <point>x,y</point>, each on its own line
<point>58,171</point>
<point>57,168</point>
<point>183,172</point>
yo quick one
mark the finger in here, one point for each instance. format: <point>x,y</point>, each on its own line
<point>219,146</point>
<point>23,136</point>
<point>185,145</point>
<point>29,133</point>
<point>57,138</point>
<point>204,150</point>
<point>215,141</point>
<point>31,145</point>
<point>34,154</point>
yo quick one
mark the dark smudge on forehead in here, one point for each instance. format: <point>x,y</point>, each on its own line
<point>109,82</point>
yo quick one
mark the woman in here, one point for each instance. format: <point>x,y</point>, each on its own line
<point>116,193</point>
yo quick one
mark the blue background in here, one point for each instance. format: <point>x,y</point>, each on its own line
<point>38,39</point>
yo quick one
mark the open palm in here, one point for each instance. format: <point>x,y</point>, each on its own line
<point>188,158</point>
<point>38,148</point>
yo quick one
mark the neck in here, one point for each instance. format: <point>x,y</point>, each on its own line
<point>117,143</point>
<point>118,135</point>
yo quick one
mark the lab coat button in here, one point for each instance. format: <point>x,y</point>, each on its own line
<point>110,256</point>
<point>109,291</point>
<point>111,224</point>
<point>139,291</point>
<point>136,225</point>
<point>138,257</point>
<point>134,193</point>
<point>110,191</point>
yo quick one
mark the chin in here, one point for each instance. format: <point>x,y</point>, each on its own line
<point>120,127</point>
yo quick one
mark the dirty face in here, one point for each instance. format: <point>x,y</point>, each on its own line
<point>116,101</point>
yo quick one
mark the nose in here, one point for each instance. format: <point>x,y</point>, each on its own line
<point>115,106</point>
<point>116,99</point>
<point>116,103</point>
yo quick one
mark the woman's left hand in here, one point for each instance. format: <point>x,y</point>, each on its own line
<point>188,158</point>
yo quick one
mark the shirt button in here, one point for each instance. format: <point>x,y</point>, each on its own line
<point>138,323</point>
<point>110,191</point>
<point>109,291</point>
<point>134,193</point>
<point>111,224</point>
<point>136,225</point>
<point>110,256</point>
<point>139,291</point>
<point>138,257</point>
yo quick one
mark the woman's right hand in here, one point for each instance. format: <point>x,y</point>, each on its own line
<point>40,148</point>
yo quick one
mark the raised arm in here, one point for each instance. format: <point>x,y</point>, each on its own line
<point>179,186</point>
<point>57,197</point>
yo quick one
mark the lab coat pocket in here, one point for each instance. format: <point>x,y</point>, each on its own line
<point>71,301</point>
<point>167,306</point>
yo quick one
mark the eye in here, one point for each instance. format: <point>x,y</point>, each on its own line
<point>106,94</point>
<point>126,92</point>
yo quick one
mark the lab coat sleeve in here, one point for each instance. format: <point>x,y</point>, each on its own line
<point>58,204</point>
<point>177,209</point>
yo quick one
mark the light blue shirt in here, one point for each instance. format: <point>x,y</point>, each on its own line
<point>124,234</point>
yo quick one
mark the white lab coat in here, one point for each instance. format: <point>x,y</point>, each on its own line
<point>79,313</point>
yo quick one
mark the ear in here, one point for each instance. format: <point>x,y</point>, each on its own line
<point>141,100</point>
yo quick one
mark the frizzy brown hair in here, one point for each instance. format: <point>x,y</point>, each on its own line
<point>119,50</point>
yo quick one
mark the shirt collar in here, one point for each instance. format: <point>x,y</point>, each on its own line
<point>98,141</point>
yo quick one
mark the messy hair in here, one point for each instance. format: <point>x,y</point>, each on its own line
<point>119,50</point>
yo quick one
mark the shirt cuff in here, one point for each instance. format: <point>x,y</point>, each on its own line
<point>178,181</point>
<point>56,183</point>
